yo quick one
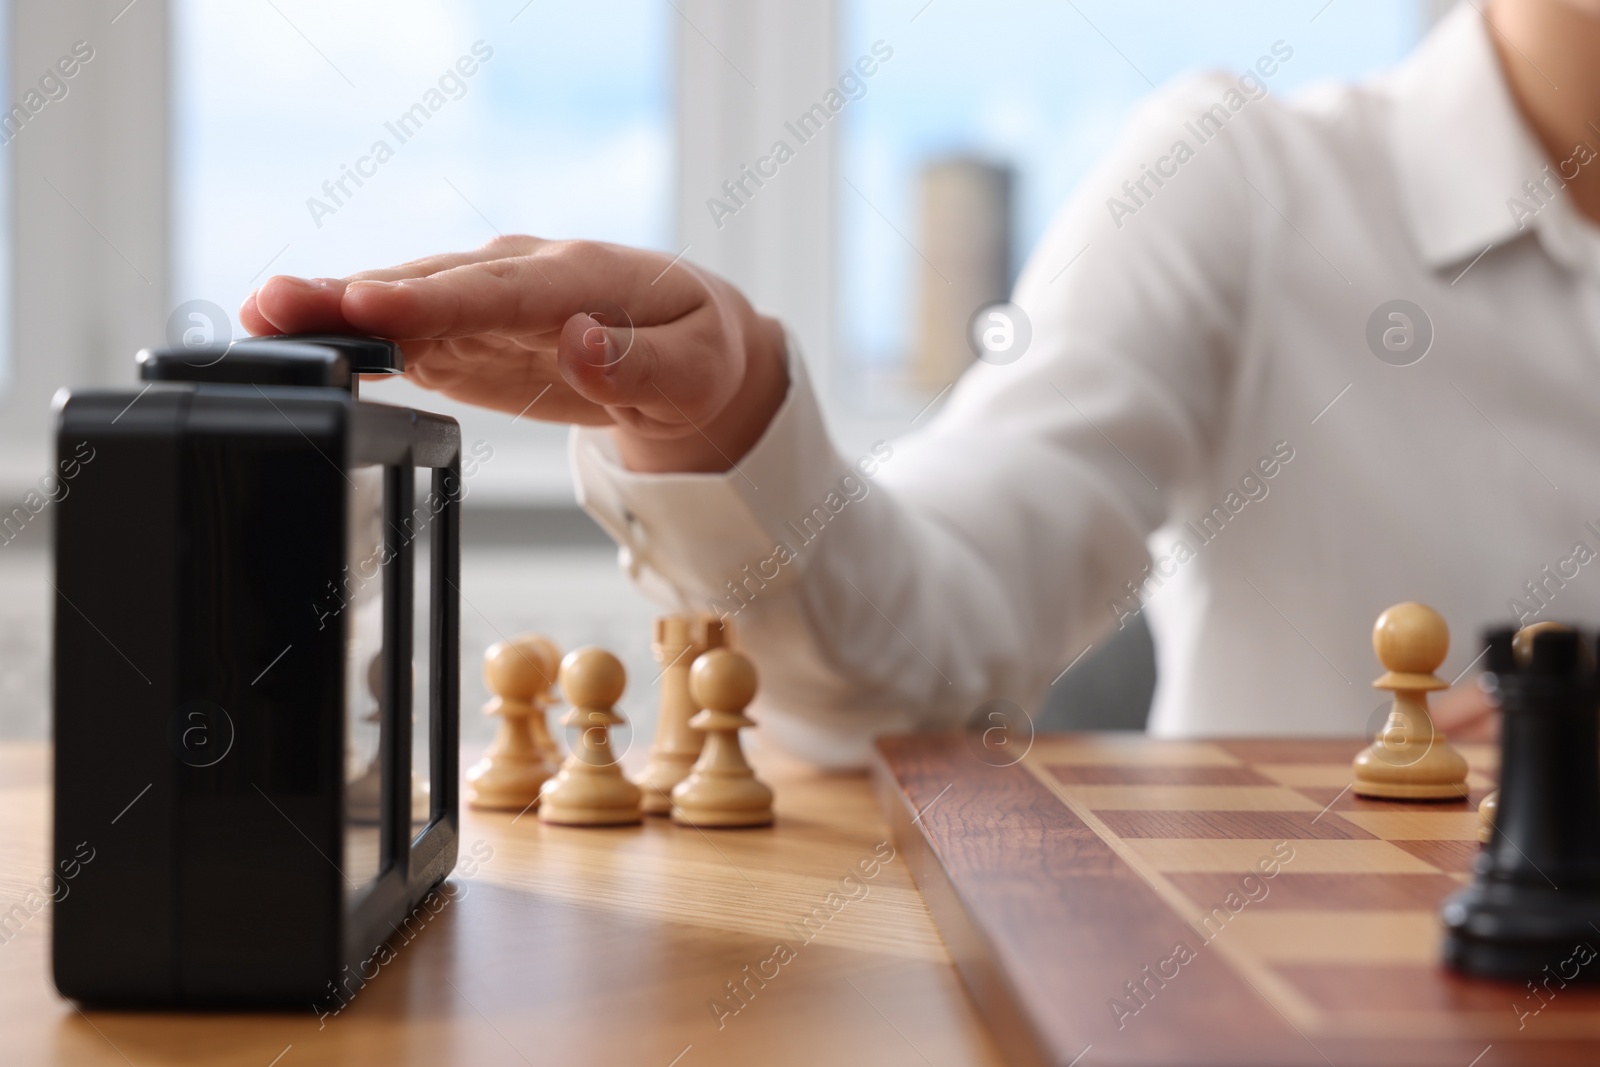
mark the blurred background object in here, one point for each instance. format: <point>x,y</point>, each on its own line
<point>965,216</point>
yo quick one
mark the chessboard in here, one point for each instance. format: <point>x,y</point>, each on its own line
<point>1119,899</point>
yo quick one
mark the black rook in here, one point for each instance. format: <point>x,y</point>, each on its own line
<point>1535,894</point>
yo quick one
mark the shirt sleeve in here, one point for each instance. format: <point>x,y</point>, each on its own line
<point>971,560</point>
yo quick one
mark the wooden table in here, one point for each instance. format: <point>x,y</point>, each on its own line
<point>565,946</point>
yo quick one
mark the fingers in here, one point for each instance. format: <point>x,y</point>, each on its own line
<point>252,319</point>
<point>673,376</point>
<point>489,297</point>
<point>512,286</point>
<point>608,365</point>
<point>297,305</point>
<point>499,248</point>
<point>286,304</point>
<point>529,294</point>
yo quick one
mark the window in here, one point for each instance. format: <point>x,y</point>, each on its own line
<point>320,139</point>
<point>1027,97</point>
<point>46,87</point>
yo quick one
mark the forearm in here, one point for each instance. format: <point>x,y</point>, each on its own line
<point>872,608</point>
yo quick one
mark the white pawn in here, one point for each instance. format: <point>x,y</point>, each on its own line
<point>548,652</point>
<point>1410,759</point>
<point>364,795</point>
<point>590,789</point>
<point>722,790</point>
<point>519,674</point>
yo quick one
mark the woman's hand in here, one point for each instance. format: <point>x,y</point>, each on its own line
<point>676,361</point>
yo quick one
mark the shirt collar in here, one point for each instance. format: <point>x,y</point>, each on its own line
<point>1460,147</point>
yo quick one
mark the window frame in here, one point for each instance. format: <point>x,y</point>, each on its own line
<point>781,252</point>
<point>90,206</point>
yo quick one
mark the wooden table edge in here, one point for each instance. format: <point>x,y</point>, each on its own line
<point>986,982</point>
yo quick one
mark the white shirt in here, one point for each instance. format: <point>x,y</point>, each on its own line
<point>1212,336</point>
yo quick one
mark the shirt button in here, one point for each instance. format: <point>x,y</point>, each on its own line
<point>636,532</point>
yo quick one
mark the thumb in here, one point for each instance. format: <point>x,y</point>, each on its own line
<point>610,365</point>
<point>671,377</point>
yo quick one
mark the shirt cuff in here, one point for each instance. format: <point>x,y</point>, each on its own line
<point>690,539</point>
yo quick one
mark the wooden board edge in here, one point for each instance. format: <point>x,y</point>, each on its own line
<point>986,982</point>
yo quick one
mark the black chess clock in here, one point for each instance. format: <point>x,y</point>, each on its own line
<point>256,708</point>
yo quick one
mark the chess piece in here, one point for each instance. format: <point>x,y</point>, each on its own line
<point>679,641</point>
<point>519,674</point>
<point>539,724</point>
<point>1409,759</point>
<point>590,789</point>
<point>1513,920</point>
<point>722,790</point>
<point>364,796</point>
<point>1522,652</point>
<point>1522,640</point>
